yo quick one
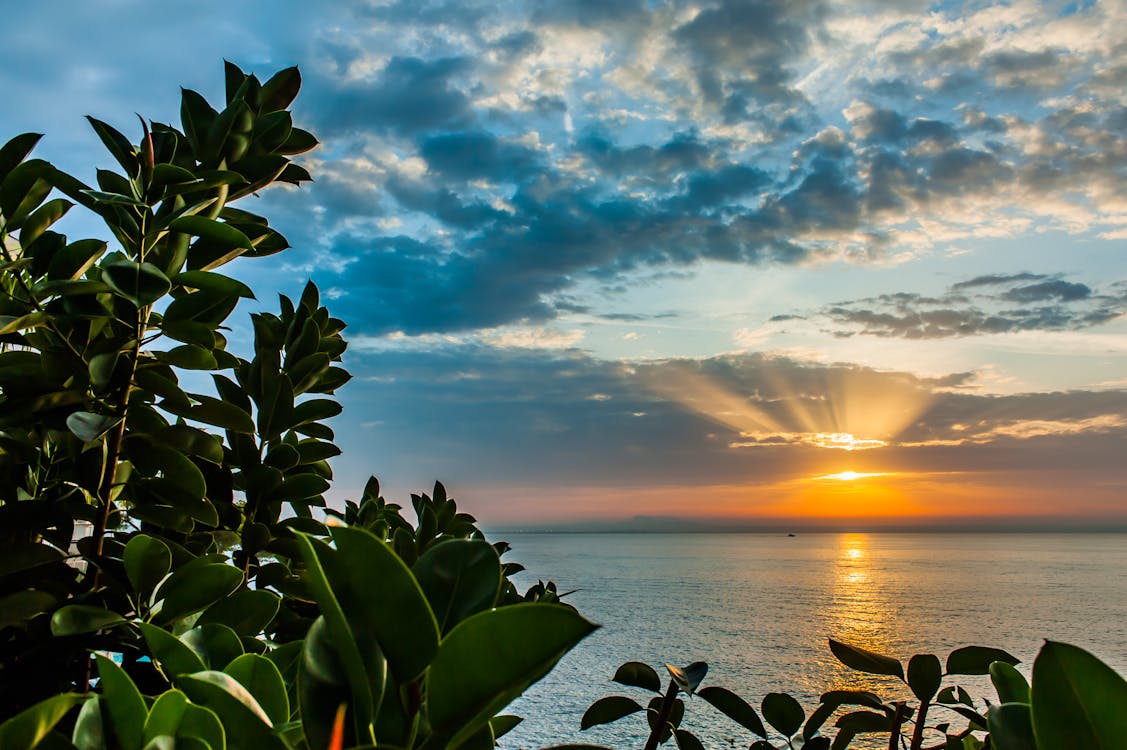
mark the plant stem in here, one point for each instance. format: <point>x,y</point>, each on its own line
<point>897,720</point>
<point>662,716</point>
<point>918,733</point>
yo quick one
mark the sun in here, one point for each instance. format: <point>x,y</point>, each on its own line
<point>852,476</point>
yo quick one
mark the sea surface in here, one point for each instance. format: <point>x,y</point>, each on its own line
<point>758,609</point>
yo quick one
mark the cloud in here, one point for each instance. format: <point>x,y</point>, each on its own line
<point>511,416</point>
<point>1049,304</point>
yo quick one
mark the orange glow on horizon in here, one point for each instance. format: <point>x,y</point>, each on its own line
<point>869,498</point>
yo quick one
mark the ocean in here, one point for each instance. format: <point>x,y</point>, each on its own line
<point>758,608</point>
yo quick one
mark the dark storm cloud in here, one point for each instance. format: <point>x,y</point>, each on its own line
<point>1049,304</point>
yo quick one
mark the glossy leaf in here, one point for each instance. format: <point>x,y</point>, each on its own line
<point>686,740</point>
<point>342,650</point>
<point>864,660</point>
<point>608,710</point>
<point>924,675</point>
<point>1009,683</point>
<point>459,578</point>
<point>783,713</point>
<point>89,732</point>
<point>1078,701</point>
<point>490,658</point>
<point>188,591</point>
<point>638,674</point>
<point>1011,727</point>
<point>382,593</point>
<point>123,703</point>
<point>246,612</point>
<point>262,679</point>
<point>216,644</point>
<point>976,659</point>
<point>688,678</point>
<point>16,150</point>
<point>858,722</point>
<point>244,721</point>
<point>88,427</point>
<point>140,283</point>
<point>173,655</point>
<point>28,728</point>
<point>211,230</point>
<point>75,619</point>
<point>734,707</point>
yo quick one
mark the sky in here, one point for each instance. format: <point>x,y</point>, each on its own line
<point>761,262</point>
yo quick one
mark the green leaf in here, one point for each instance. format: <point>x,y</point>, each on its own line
<point>247,725</point>
<point>608,710</point>
<point>217,232</point>
<point>866,661</point>
<point>118,146</point>
<point>686,740</point>
<point>75,619</point>
<point>18,608</point>
<point>1010,684</point>
<point>783,713</point>
<point>924,675</point>
<point>170,174</point>
<point>123,702</point>
<point>503,724</point>
<point>173,655</point>
<point>246,612</point>
<point>380,591</point>
<point>301,487</point>
<point>343,647</point>
<point>280,91</point>
<point>203,724</point>
<point>299,142</point>
<point>15,151</point>
<point>140,283</point>
<point>29,727</point>
<point>263,680</point>
<point>213,411</point>
<point>976,659</point>
<point>833,700</point>
<point>189,357</point>
<point>9,324</point>
<point>214,282</point>
<point>734,707</point>
<point>322,685</point>
<point>1078,701</point>
<point>189,590</point>
<point>75,259</point>
<point>165,715</point>
<point>276,406</point>
<point>688,678</point>
<point>859,722</point>
<point>216,644</point>
<point>89,732</point>
<point>490,658</point>
<point>88,426</point>
<point>43,217</point>
<point>459,578</point>
<point>315,410</point>
<point>1011,727</point>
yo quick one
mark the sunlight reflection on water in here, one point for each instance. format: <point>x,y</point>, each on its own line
<point>758,608</point>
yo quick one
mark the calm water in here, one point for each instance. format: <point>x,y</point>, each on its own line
<point>759,607</point>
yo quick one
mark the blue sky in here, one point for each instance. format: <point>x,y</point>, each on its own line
<point>608,259</point>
